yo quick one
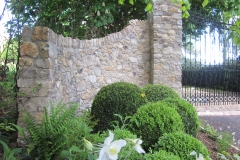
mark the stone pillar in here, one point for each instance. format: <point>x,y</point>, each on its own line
<point>34,73</point>
<point>166,44</point>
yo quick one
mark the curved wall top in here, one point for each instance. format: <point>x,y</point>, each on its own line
<point>53,67</point>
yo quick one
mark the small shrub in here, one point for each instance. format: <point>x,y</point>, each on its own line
<point>181,144</point>
<point>117,98</point>
<point>187,112</point>
<point>155,119</point>
<point>161,155</point>
<point>158,92</point>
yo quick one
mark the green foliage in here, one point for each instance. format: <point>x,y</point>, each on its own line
<point>226,156</point>
<point>187,112</point>
<point>7,85</point>
<point>70,18</point>
<point>155,119</point>
<point>228,11</point>
<point>224,141</point>
<point>123,121</point>
<point>161,155</point>
<point>212,132</point>
<point>8,153</point>
<point>158,92</point>
<point>9,51</point>
<point>59,129</point>
<point>117,98</point>
<point>181,144</point>
<point>8,108</point>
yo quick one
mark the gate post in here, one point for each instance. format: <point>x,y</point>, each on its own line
<point>166,44</point>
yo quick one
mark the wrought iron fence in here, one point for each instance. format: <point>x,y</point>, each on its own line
<point>211,62</point>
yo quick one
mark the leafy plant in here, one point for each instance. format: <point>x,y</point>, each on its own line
<point>51,135</point>
<point>117,98</point>
<point>224,141</point>
<point>158,92</point>
<point>181,144</point>
<point>123,121</point>
<point>212,132</point>
<point>155,119</point>
<point>187,112</point>
<point>9,154</point>
<point>226,156</point>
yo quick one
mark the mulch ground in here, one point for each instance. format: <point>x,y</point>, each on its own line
<point>211,146</point>
<point>231,124</point>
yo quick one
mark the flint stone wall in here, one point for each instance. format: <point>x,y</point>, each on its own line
<point>53,67</point>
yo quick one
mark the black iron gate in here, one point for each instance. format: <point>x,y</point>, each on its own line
<point>211,62</point>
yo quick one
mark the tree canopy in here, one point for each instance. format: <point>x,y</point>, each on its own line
<point>88,19</point>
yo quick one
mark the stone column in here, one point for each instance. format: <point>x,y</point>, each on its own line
<point>166,44</point>
<point>34,73</point>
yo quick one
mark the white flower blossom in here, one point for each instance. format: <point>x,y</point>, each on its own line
<point>103,4</point>
<point>98,13</point>
<point>111,149</point>
<point>88,144</point>
<point>106,11</point>
<point>137,145</point>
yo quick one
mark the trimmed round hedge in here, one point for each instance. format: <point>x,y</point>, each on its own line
<point>153,120</point>
<point>117,98</point>
<point>181,144</point>
<point>161,155</point>
<point>158,92</point>
<point>187,112</point>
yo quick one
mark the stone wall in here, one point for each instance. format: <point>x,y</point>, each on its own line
<point>53,67</point>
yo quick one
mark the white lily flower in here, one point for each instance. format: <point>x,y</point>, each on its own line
<point>110,150</point>
<point>137,145</point>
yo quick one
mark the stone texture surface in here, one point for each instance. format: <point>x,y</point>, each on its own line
<point>29,49</point>
<point>60,68</point>
<point>166,44</point>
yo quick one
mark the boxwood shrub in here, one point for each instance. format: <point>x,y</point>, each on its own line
<point>153,120</point>
<point>117,98</point>
<point>187,112</point>
<point>161,155</point>
<point>181,144</point>
<point>158,92</point>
